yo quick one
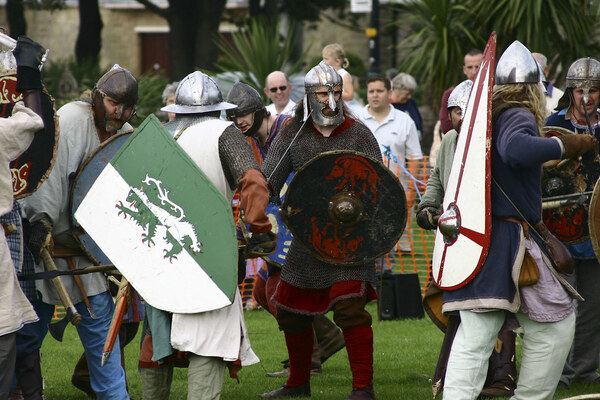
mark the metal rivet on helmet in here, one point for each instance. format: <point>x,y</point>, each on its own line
<point>197,93</point>
<point>584,73</point>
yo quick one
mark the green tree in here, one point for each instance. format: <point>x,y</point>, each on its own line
<point>440,32</point>
<point>258,50</point>
<point>436,41</point>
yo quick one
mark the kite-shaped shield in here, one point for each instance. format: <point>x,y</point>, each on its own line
<point>345,208</point>
<point>463,235</point>
<point>86,177</point>
<point>163,224</point>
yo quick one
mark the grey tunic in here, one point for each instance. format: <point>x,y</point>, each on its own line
<point>78,139</point>
<point>301,269</point>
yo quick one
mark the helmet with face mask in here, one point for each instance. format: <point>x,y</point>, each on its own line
<point>248,101</point>
<point>460,96</point>
<point>319,78</point>
<point>120,85</point>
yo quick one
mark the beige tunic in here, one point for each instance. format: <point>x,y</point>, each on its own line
<point>16,134</point>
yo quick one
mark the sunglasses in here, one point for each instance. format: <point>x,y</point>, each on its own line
<point>274,89</point>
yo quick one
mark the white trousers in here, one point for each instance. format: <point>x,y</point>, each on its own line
<point>545,349</point>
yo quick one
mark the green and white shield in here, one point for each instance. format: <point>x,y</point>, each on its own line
<point>163,224</point>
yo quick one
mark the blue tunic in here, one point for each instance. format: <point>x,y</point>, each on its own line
<point>518,153</point>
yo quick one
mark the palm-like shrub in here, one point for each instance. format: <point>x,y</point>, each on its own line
<point>256,51</point>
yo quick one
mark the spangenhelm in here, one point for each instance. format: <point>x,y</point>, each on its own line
<point>516,65</point>
<point>460,96</point>
<point>584,73</point>
<point>323,76</point>
<point>119,84</point>
<point>248,101</point>
<point>197,93</point>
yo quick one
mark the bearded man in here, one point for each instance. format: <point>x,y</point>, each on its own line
<point>84,124</point>
<point>308,286</point>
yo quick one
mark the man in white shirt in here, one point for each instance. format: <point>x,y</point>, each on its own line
<point>394,129</point>
<point>278,89</point>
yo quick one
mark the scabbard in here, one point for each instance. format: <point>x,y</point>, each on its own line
<point>115,324</point>
<point>442,364</point>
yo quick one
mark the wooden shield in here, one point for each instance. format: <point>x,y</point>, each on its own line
<point>32,167</point>
<point>345,208</point>
<point>85,179</point>
<point>566,190</point>
<point>457,258</point>
<point>594,219</point>
<point>164,224</point>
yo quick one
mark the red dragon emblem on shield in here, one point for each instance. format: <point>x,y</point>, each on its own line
<point>356,174</point>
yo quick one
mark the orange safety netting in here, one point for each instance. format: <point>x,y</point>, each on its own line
<point>412,253</point>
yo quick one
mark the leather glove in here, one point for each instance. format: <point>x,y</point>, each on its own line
<point>578,144</point>
<point>427,218</point>
<point>40,236</point>
<point>29,58</point>
<point>261,244</point>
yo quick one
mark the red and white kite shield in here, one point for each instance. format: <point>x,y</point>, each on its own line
<point>463,236</point>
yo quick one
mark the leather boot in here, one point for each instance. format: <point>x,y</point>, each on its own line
<point>302,390</point>
<point>29,375</point>
<point>81,377</point>
<point>502,371</point>
<point>365,393</point>
<point>330,339</point>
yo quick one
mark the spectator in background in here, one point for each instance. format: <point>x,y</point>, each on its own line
<point>552,94</point>
<point>394,129</point>
<point>470,68</point>
<point>403,86</point>
<point>278,89</point>
<point>334,55</point>
<point>168,97</point>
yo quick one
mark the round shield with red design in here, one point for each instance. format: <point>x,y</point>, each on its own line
<point>32,167</point>
<point>345,208</point>
<point>566,191</point>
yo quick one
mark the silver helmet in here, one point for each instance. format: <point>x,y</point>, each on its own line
<point>323,76</point>
<point>460,96</point>
<point>584,73</point>
<point>198,93</point>
<point>517,65</point>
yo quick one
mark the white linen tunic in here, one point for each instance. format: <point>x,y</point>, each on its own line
<point>16,134</point>
<point>220,333</point>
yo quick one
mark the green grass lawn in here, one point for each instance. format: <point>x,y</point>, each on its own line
<point>405,357</point>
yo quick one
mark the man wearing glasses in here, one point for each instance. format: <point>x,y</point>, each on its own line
<point>278,89</point>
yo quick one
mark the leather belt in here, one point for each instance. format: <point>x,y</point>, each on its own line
<point>524,224</point>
